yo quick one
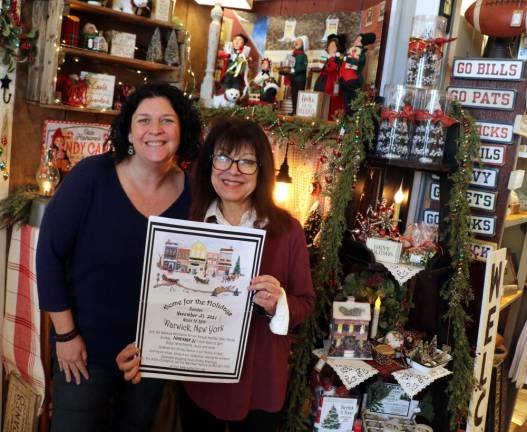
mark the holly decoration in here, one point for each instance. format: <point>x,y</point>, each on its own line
<point>17,43</point>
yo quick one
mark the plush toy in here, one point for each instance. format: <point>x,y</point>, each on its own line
<point>235,70</point>
<point>298,73</point>
<point>350,74</point>
<point>328,81</point>
<point>227,99</point>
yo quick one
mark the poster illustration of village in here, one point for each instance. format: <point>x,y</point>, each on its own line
<point>195,308</point>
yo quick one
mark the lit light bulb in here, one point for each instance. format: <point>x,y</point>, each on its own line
<point>281,192</point>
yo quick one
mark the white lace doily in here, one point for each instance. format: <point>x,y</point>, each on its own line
<point>413,382</point>
<point>351,372</point>
<point>402,272</point>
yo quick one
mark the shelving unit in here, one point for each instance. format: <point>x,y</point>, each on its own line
<point>108,58</point>
<point>62,107</point>
<point>515,219</point>
<point>79,6</point>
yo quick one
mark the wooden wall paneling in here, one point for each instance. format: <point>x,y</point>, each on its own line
<point>48,21</point>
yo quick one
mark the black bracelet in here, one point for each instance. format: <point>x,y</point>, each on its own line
<point>66,337</point>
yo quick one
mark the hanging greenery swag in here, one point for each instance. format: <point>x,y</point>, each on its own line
<point>344,142</point>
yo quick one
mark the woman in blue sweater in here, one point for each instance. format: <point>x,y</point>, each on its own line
<point>90,254</point>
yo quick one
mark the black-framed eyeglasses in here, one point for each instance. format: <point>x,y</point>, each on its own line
<point>222,162</point>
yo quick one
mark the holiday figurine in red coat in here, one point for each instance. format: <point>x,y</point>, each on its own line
<point>350,74</point>
<point>328,80</point>
<point>235,68</point>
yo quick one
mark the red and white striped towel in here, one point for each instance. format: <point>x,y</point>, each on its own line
<point>21,327</point>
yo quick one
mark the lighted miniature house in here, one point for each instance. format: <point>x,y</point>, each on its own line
<point>350,328</point>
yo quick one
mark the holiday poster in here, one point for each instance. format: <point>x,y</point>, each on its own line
<point>195,309</point>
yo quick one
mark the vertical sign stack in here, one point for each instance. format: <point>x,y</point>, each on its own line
<point>493,90</point>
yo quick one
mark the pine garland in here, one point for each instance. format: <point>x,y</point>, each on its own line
<point>17,205</point>
<point>457,291</point>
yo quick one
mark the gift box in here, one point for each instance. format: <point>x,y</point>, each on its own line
<point>122,44</point>
<point>313,104</point>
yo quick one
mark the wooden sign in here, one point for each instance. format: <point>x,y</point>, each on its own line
<point>488,328</point>
<point>492,154</point>
<point>76,140</point>
<point>122,44</point>
<point>100,90</point>
<point>431,217</point>
<point>21,407</point>
<point>312,104</point>
<point>484,98</point>
<point>499,133</point>
<point>385,250</point>
<point>485,177</point>
<point>488,69</point>
<point>434,191</point>
<point>481,200</point>
<point>480,249</point>
<point>161,10</point>
<point>483,225</point>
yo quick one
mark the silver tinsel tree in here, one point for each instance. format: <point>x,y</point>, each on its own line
<point>155,50</point>
<point>172,50</point>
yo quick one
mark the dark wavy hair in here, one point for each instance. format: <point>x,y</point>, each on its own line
<point>232,134</point>
<point>189,120</point>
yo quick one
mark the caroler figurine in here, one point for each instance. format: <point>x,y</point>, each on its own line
<point>298,73</point>
<point>265,83</point>
<point>235,68</point>
<point>351,78</point>
<point>327,81</point>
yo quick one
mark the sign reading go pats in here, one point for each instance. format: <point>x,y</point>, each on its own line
<point>488,69</point>
<point>488,328</point>
<point>484,98</point>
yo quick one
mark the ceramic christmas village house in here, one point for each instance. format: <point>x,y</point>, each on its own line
<point>350,328</point>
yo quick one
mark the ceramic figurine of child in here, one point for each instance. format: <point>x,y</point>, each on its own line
<point>235,70</point>
<point>328,80</point>
<point>350,74</point>
<point>265,82</point>
<point>298,73</point>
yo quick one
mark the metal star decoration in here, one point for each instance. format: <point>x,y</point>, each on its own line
<point>6,81</point>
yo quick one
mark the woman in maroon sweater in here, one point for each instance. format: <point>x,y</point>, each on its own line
<point>233,184</point>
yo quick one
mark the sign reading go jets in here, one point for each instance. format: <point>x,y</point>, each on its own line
<point>481,200</point>
<point>483,225</point>
<point>485,98</point>
<point>499,133</point>
<point>488,69</point>
<point>492,154</point>
<point>485,177</point>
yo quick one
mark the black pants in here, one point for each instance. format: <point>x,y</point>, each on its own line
<point>296,86</point>
<point>194,418</point>
<point>349,92</point>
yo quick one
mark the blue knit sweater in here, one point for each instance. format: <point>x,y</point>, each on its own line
<point>90,256</point>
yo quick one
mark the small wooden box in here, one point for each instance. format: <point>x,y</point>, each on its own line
<point>385,250</point>
<point>161,10</point>
<point>122,44</point>
<point>312,104</point>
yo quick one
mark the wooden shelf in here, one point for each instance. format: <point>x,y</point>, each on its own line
<point>515,219</point>
<point>59,106</point>
<point>413,164</point>
<point>510,299</point>
<point>81,6</point>
<point>131,62</point>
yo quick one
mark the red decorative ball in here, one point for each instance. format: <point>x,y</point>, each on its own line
<point>329,179</point>
<point>323,159</point>
<point>337,153</point>
<point>382,232</point>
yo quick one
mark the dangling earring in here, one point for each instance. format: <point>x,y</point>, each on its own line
<point>130,150</point>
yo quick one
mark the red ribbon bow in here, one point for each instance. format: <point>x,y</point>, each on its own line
<point>390,115</point>
<point>419,46</point>
<point>438,116</point>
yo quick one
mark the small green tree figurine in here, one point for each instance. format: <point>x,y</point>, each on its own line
<point>172,50</point>
<point>237,270</point>
<point>155,50</point>
<point>331,421</point>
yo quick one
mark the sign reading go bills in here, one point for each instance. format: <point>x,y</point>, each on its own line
<point>488,69</point>
<point>499,133</point>
<point>484,98</point>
